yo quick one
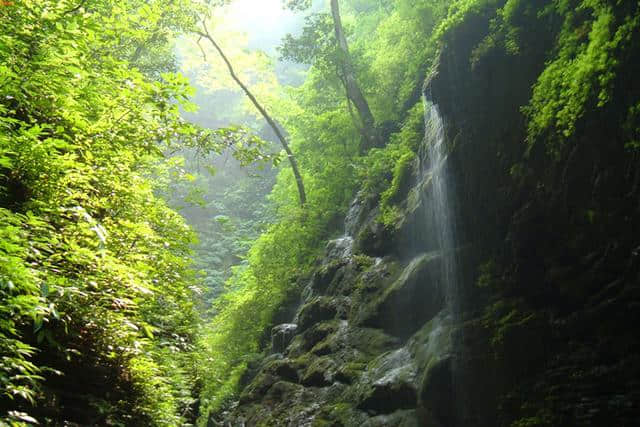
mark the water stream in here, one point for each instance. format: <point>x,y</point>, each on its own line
<point>441,226</point>
<point>440,210</point>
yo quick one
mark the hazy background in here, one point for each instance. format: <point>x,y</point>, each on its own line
<point>229,208</point>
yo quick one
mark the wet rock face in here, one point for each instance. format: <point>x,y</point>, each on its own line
<point>321,373</point>
<point>320,309</point>
<point>281,336</point>
<point>343,362</point>
<point>437,394</point>
<point>326,275</point>
<point>359,211</point>
<point>339,249</point>
<point>373,238</point>
<point>351,365</point>
<point>402,307</point>
<point>390,384</point>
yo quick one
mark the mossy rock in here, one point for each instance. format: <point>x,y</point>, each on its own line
<point>390,384</point>
<point>388,397</point>
<point>350,372</point>
<point>281,336</point>
<point>320,309</point>
<point>320,373</point>
<point>283,368</point>
<point>304,342</point>
<point>401,418</point>
<point>436,393</point>
<point>404,176</point>
<point>282,391</point>
<point>409,302</point>
<point>371,282</point>
<point>433,341</point>
<point>257,388</point>
<point>370,342</point>
<point>374,238</point>
<point>341,414</point>
<point>326,275</point>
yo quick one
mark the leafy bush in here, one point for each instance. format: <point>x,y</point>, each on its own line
<point>95,282</point>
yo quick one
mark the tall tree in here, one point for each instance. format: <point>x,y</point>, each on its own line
<point>354,93</point>
<point>323,42</point>
<point>283,141</point>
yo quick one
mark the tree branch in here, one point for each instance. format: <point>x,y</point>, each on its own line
<point>354,92</point>
<point>204,55</point>
<point>263,112</point>
<point>76,8</point>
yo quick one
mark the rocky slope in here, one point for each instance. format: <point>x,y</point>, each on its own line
<point>548,255</point>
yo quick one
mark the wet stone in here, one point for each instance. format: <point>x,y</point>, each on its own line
<point>281,336</point>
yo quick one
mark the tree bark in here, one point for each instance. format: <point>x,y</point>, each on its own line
<point>354,93</point>
<point>283,141</point>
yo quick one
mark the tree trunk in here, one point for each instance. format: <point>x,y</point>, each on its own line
<point>354,93</point>
<point>267,117</point>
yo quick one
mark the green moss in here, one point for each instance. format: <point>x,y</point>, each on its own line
<point>412,131</point>
<point>379,162</point>
<point>407,142</point>
<point>402,174</point>
<point>364,261</point>
<point>458,12</point>
<point>505,318</point>
<point>542,419</point>
<point>632,127</point>
<point>320,422</point>
<point>488,273</point>
<point>352,370</point>
<point>338,414</point>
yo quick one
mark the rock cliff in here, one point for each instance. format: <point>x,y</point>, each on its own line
<point>540,329</point>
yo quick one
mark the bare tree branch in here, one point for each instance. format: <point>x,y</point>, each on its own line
<point>263,112</point>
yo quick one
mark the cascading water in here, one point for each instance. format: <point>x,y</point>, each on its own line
<point>441,227</point>
<point>439,204</point>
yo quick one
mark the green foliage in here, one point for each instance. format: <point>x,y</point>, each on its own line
<point>233,215</point>
<point>388,171</point>
<point>458,11</point>
<point>581,77</point>
<point>280,255</point>
<point>316,45</point>
<point>631,127</point>
<point>20,298</point>
<point>94,271</point>
<point>325,140</point>
<point>402,175</point>
<point>398,52</point>
<point>592,41</point>
<point>381,166</point>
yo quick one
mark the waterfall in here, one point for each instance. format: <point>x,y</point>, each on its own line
<point>441,228</point>
<point>439,204</point>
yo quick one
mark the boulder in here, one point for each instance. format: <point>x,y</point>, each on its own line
<point>320,373</point>
<point>390,384</point>
<point>321,309</point>
<point>282,368</point>
<point>325,276</point>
